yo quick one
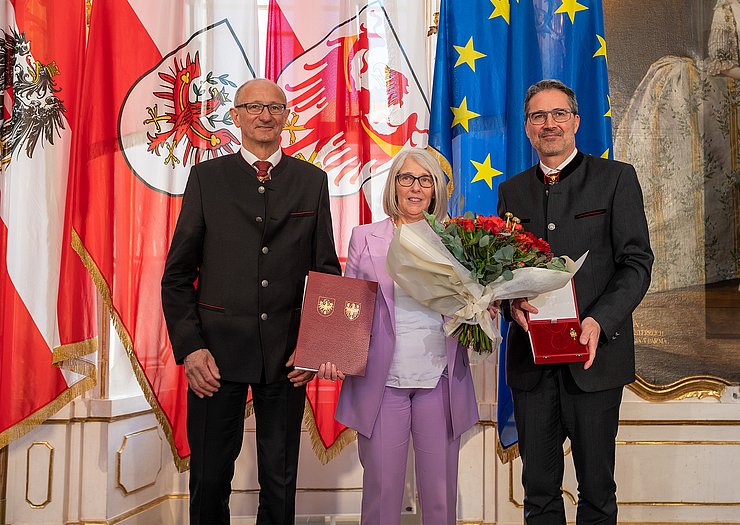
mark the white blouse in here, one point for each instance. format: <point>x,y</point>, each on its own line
<point>420,355</point>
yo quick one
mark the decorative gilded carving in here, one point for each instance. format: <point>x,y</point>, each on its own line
<point>694,386</point>
<point>139,460</point>
<point>37,453</point>
<point>434,28</point>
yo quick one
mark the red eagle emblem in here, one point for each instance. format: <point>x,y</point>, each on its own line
<point>353,105</point>
<point>188,118</point>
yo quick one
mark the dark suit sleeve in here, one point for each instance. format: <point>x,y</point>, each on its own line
<point>632,256</point>
<point>501,206</point>
<point>181,271</point>
<point>324,252</point>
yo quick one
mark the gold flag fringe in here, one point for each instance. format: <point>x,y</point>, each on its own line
<point>325,455</point>
<point>182,464</point>
<point>506,455</point>
<point>66,357</point>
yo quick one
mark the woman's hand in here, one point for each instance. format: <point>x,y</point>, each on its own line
<point>329,371</point>
<point>493,308</point>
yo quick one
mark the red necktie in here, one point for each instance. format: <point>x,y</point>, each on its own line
<point>552,178</point>
<point>262,166</point>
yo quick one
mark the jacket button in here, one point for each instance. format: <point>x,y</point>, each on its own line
<point>551,226</point>
<point>265,249</point>
<point>264,283</point>
<point>258,219</point>
<point>261,189</point>
<point>263,317</point>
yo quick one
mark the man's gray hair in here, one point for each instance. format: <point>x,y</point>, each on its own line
<point>544,85</point>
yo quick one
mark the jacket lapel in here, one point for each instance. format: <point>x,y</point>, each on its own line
<point>377,243</point>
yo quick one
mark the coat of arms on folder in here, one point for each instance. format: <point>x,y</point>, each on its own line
<point>335,324</point>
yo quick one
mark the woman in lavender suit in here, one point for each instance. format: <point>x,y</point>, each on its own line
<point>417,380</point>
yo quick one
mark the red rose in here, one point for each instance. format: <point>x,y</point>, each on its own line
<point>542,245</point>
<point>491,223</point>
<point>524,240</point>
<point>467,225</point>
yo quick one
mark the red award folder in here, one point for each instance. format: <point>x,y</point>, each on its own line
<point>336,321</point>
<point>554,331</point>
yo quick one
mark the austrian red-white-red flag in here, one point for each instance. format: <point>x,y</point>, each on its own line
<point>47,309</point>
<point>356,82</point>
<point>160,79</point>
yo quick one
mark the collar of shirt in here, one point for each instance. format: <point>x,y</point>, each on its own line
<point>547,170</point>
<point>251,158</point>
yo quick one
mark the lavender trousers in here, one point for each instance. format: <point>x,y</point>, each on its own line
<point>424,414</point>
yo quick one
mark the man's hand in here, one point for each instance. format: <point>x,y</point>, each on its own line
<point>298,377</point>
<point>329,371</point>
<point>590,331</point>
<point>202,373</point>
<point>518,307</point>
<point>493,308</point>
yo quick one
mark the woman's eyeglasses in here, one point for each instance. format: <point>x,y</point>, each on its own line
<point>407,180</point>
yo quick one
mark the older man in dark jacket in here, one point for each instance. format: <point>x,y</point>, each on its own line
<point>251,227</point>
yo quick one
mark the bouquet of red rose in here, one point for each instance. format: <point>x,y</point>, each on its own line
<point>462,265</point>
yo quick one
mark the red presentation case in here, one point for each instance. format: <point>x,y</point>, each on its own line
<point>555,330</point>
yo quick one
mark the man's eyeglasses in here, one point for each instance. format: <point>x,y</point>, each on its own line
<point>255,108</point>
<point>407,180</point>
<point>558,115</point>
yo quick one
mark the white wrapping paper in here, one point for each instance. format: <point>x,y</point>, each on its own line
<point>424,268</point>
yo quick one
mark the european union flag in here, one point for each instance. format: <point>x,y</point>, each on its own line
<point>488,53</point>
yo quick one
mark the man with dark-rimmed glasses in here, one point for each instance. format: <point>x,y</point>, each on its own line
<point>251,227</point>
<point>577,203</point>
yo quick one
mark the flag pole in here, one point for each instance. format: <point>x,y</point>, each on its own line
<point>103,355</point>
<point>3,482</point>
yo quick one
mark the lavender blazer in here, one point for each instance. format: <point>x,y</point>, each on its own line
<point>360,397</point>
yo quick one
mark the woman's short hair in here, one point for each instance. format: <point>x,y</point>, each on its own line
<point>438,206</point>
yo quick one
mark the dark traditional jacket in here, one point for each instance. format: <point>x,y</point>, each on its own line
<point>234,277</point>
<point>597,206</point>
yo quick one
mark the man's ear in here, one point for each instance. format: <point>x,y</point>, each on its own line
<point>235,117</point>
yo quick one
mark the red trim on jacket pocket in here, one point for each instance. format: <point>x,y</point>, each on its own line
<point>211,306</point>
<point>590,213</point>
<point>302,213</point>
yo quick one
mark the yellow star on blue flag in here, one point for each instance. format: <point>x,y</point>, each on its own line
<point>570,7</point>
<point>468,54</point>
<point>485,171</point>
